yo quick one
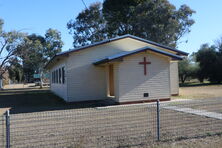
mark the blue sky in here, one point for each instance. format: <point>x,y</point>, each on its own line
<point>36,16</point>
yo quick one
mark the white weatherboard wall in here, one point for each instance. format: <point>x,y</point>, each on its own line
<point>133,83</point>
<point>174,78</point>
<point>85,82</point>
<point>59,89</point>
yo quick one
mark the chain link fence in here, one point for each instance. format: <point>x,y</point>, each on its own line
<point>115,126</point>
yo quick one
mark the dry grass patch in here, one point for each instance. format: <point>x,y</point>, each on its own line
<point>194,92</point>
<point>208,142</point>
<point>3,110</point>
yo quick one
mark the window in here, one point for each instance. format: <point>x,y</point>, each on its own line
<point>52,77</point>
<point>59,75</point>
<point>63,75</point>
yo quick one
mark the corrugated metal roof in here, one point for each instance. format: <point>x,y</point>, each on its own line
<point>114,39</point>
<point>124,54</point>
<point>122,37</point>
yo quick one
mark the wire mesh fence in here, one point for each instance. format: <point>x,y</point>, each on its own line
<point>2,131</point>
<point>116,126</point>
<point>93,127</point>
<point>191,119</point>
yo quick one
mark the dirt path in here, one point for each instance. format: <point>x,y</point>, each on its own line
<point>195,112</point>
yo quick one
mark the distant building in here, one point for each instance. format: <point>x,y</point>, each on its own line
<point>126,69</point>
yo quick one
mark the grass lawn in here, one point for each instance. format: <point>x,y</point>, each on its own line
<point>200,91</point>
<point>121,125</point>
<point>27,100</point>
<point>35,100</point>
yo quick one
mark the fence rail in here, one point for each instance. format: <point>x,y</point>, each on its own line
<point>116,126</point>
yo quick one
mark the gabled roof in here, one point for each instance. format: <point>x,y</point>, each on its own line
<point>122,37</point>
<point>128,53</point>
<point>179,52</point>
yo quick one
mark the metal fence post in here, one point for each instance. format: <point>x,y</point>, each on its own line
<point>7,117</point>
<point>158,119</point>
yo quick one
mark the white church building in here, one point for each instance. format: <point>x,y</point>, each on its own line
<point>126,68</point>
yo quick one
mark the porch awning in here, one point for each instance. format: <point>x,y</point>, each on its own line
<point>128,53</point>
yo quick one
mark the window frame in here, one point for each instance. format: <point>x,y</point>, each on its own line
<point>63,75</point>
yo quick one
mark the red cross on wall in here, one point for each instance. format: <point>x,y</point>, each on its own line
<point>144,63</point>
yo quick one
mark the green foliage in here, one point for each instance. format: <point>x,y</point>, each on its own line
<point>53,43</point>
<point>31,54</point>
<point>210,61</point>
<point>35,51</point>
<point>16,71</point>
<point>156,20</point>
<point>161,22</point>
<point>119,15</point>
<point>1,25</point>
<point>9,41</point>
<point>88,27</point>
<point>187,69</point>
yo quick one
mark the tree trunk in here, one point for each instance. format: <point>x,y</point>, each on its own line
<point>183,79</point>
<point>1,84</point>
<point>41,80</point>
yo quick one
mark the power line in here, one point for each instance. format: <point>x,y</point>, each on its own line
<point>84,4</point>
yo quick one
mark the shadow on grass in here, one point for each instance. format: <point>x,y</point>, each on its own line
<point>197,84</point>
<point>36,100</point>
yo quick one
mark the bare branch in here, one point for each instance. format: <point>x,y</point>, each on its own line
<point>3,46</point>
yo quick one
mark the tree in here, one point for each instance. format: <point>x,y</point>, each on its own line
<point>53,43</point>
<point>218,45</point>
<point>15,70</point>
<point>9,41</point>
<point>119,14</point>
<point>1,25</point>
<point>155,20</point>
<point>31,54</point>
<point>35,51</point>
<point>187,69</point>
<point>88,27</point>
<point>159,21</point>
<point>210,61</point>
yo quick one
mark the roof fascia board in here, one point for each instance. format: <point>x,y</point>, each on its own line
<point>111,58</point>
<point>114,39</point>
